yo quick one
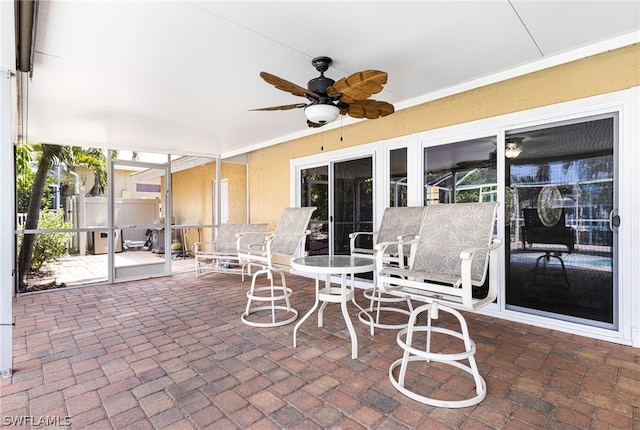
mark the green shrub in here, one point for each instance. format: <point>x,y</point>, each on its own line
<point>49,246</point>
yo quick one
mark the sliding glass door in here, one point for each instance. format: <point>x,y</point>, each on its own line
<point>564,177</point>
<point>462,172</point>
<point>560,213</point>
<point>352,201</point>
<point>562,222</point>
<point>314,191</point>
<point>343,193</point>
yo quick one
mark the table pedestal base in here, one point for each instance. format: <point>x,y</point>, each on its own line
<point>330,294</point>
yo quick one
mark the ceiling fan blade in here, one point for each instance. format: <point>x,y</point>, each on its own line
<point>283,107</point>
<point>290,87</point>
<point>370,109</point>
<point>359,86</point>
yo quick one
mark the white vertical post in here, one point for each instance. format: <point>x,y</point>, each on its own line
<point>7,216</point>
<point>218,202</point>
<point>168,215</point>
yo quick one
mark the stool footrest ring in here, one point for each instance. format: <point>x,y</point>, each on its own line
<point>294,315</point>
<point>405,339</point>
<point>376,299</point>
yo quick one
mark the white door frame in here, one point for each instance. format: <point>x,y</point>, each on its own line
<point>627,105</point>
<point>7,226</point>
<point>146,270</point>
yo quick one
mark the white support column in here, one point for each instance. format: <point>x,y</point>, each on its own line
<point>217,216</point>
<point>7,216</point>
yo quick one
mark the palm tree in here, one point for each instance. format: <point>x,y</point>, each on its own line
<point>49,155</point>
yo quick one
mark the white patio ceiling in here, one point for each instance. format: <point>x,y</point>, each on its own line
<point>181,76</point>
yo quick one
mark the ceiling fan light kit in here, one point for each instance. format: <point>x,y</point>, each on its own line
<point>512,150</point>
<point>321,113</point>
<point>328,98</point>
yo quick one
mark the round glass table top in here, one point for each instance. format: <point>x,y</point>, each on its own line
<point>334,264</point>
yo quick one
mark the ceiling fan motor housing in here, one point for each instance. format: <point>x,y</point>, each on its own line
<point>320,84</point>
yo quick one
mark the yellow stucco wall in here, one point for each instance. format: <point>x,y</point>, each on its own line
<point>190,207</point>
<point>236,174</point>
<point>193,196</point>
<point>604,73</point>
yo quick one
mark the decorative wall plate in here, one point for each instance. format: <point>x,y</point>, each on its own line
<point>548,210</point>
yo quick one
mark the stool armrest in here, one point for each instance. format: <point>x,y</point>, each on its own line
<point>380,248</point>
<point>353,237</point>
<point>465,271</point>
<point>467,254</point>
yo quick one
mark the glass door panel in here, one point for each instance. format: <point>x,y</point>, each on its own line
<point>352,201</point>
<point>461,172</point>
<point>561,246</point>
<point>314,189</point>
<point>398,177</point>
<point>343,193</point>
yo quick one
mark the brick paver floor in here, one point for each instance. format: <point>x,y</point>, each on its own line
<point>172,353</point>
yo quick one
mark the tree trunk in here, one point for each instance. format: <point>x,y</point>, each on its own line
<point>33,217</point>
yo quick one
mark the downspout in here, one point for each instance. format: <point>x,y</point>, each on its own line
<point>26,16</point>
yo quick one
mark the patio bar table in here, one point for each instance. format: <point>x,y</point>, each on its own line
<point>328,265</point>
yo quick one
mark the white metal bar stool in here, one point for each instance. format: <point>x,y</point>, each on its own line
<point>451,255</point>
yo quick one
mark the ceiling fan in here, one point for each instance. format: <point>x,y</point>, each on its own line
<point>513,148</point>
<point>479,164</point>
<point>328,98</point>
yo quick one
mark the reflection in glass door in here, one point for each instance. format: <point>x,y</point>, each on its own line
<point>398,192</point>
<point>560,222</point>
<point>352,201</point>
<point>314,190</point>
<point>344,200</point>
<point>461,172</point>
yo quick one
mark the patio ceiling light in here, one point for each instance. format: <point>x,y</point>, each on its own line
<point>512,150</point>
<point>321,113</point>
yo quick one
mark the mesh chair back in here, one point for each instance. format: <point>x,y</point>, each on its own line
<point>290,231</point>
<point>253,235</point>
<point>448,229</point>
<point>399,221</point>
<point>226,240</point>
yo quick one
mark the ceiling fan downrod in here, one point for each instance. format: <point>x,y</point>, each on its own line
<point>320,84</point>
